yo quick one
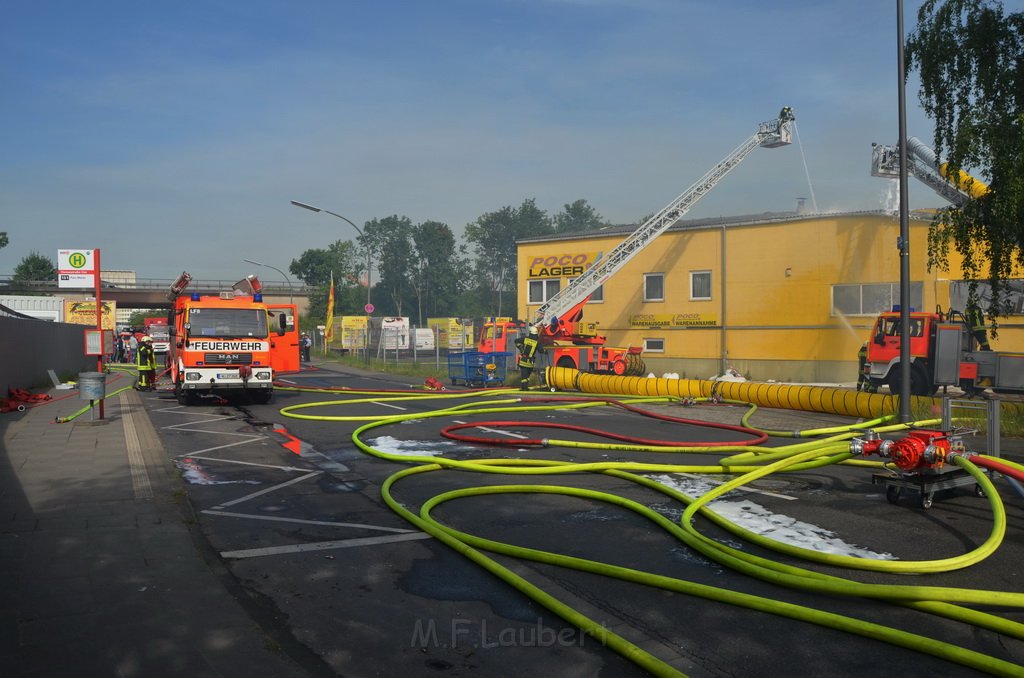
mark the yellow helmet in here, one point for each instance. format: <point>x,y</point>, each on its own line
<point>146,337</point>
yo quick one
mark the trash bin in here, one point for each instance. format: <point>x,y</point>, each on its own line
<point>92,385</point>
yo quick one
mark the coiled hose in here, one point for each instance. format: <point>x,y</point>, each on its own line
<point>747,462</point>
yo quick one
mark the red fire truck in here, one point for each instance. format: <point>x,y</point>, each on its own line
<point>231,343</point>
<point>945,350</point>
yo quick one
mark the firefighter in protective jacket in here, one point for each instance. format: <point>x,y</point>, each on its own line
<point>527,350</point>
<point>146,364</point>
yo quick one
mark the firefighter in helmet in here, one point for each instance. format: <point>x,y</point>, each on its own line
<point>527,351</point>
<point>146,364</point>
<point>976,320</point>
<point>863,382</point>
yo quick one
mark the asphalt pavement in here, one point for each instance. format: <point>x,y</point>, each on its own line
<point>108,571</point>
<point>102,571</point>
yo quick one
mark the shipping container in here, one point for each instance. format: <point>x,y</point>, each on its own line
<point>43,308</point>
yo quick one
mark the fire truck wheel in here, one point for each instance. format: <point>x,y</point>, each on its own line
<point>920,382</point>
<point>261,397</point>
<point>184,397</point>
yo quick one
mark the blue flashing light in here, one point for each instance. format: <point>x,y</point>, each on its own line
<point>896,308</point>
<point>258,296</point>
<point>195,296</point>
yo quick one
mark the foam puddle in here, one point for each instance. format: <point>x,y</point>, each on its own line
<point>759,520</point>
<point>194,474</point>
<point>412,448</point>
<point>745,513</point>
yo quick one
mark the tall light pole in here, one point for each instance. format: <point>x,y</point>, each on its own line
<point>358,230</point>
<point>903,243</point>
<point>287,279</point>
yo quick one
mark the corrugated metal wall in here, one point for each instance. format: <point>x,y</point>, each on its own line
<point>30,347</point>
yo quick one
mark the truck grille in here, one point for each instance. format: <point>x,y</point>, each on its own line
<point>227,358</point>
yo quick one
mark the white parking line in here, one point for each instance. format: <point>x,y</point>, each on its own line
<point>323,545</point>
<point>278,467</point>
<point>503,433</point>
<point>272,488</point>
<point>377,402</point>
<point>221,447</point>
<point>495,430</point>
<point>328,523</point>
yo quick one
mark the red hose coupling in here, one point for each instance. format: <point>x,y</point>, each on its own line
<point>920,449</point>
<point>870,444</point>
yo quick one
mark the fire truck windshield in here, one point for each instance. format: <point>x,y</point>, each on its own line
<point>892,327</point>
<point>227,322</point>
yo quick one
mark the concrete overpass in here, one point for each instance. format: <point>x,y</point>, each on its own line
<point>151,293</point>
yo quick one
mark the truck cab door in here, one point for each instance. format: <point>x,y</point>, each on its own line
<point>284,337</point>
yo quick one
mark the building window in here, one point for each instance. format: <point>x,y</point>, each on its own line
<point>654,345</point>
<point>654,287</point>
<point>958,294</point>
<point>870,299</point>
<point>542,290</point>
<point>597,296</point>
<point>700,285</point>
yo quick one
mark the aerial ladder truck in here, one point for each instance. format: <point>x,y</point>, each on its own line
<point>957,187</point>
<point>567,340</point>
<point>946,348</point>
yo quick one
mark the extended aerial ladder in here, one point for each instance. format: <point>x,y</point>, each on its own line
<point>956,187</point>
<point>558,317</point>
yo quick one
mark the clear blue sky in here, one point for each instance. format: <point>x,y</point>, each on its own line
<point>172,135</point>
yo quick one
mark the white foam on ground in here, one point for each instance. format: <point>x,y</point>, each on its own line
<point>193,474</point>
<point>759,520</point>
<point>412,448</point>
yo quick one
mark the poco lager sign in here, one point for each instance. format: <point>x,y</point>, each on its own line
<point>566,265</point>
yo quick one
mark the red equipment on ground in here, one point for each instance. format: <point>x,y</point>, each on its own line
<point>18,399</point>
<point>921,449</point>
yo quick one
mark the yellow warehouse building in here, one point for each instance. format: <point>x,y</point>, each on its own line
<point>776,296</point>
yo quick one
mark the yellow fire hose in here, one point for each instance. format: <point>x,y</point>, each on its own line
<point>748,464</point>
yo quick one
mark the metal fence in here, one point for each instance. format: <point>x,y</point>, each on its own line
<point>8,285</point>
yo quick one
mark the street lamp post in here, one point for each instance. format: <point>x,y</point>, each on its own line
<point>358,230</point>
<point>366,244</point>
<point>287,279</point>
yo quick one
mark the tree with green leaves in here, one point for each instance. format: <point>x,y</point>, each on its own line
<point>437,274</point>
<point>390,240</point>
<point>3,239</point>
<point>493,237</point>
<point>315,267</point>
<point>33,267</point>
<point>970,57</point>
<point>578,216</point>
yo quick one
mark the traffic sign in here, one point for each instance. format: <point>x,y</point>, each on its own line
<point>76,268</point>
<point>368,308</point>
